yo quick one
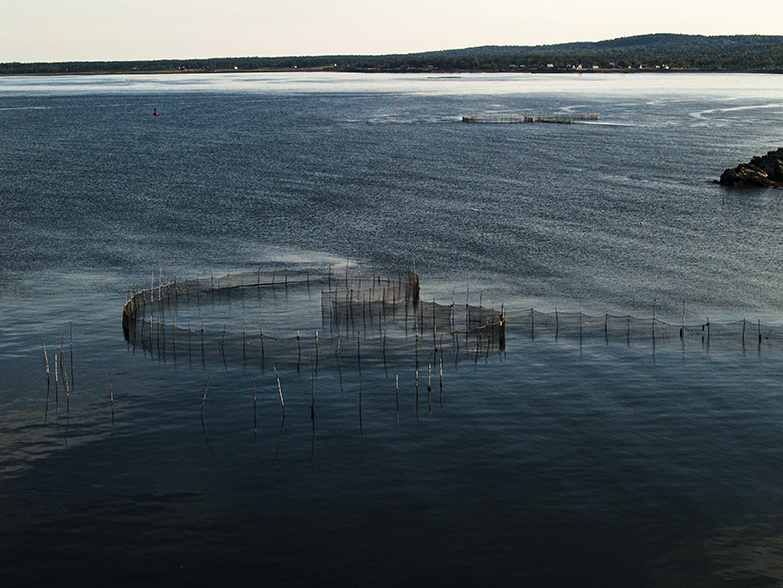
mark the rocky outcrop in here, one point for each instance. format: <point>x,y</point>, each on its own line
<point>760,172</point>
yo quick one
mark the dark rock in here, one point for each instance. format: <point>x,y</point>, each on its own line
<point>760,172</point>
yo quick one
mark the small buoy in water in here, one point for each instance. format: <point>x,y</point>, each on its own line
<point>154,112</point>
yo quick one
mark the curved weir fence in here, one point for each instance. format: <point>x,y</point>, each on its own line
<point>628,329</point>
<point>300,315</point>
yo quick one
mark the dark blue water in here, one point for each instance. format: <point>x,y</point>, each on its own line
<point>560,461</point>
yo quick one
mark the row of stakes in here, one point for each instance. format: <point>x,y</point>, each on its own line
<point>351,310</point>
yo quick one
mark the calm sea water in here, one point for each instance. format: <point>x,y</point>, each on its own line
<point>561,461</point>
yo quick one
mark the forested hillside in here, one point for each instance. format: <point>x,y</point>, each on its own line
<point>662,52</point>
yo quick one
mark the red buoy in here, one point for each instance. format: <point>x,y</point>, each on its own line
<point>154,112</point>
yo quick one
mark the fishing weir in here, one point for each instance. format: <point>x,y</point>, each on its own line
<point>379,318</point>
<point>328,323</point>
<point>301,315</point>
<point>513,119</point>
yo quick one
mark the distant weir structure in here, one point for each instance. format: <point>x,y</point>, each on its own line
<point>512,119</point>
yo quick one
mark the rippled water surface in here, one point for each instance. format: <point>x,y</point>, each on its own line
<point>597,447</point>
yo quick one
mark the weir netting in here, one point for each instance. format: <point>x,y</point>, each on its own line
<point>511,119</point>
<point>629,329</point>
<point>304,315</point>
<point>300,315</point>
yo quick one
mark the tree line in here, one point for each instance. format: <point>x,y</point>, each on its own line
<point>659,51</point>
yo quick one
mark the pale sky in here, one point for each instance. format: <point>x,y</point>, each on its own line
<point>106,30</point>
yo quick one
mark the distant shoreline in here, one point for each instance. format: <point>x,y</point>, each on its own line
<point>432,74</point>
<point>661,53</point>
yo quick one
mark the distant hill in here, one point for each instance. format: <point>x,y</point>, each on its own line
<point>655,51</point>
<point>662,52</point>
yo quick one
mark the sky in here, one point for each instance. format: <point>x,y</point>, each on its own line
<point>108,30</point>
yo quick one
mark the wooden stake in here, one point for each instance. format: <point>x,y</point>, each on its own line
<point>56,386</point>
<point>280,391</point>
<point>397,395</point>
<point>532,325</point>
<point>467,310</point>
<point>46,366</point>
<point>255,419</point>
<point>203,400</point>
<point>312,394</point>
<point>262,348</point>
<point>429,387</point>
<point>655,300</point>
<point>65,377</point>
<point>384,354</point>
<point>441,378</point>
<point>682,328</point>
<point>46,369</point>
<point>417,392</point>
<point>70,336</point>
